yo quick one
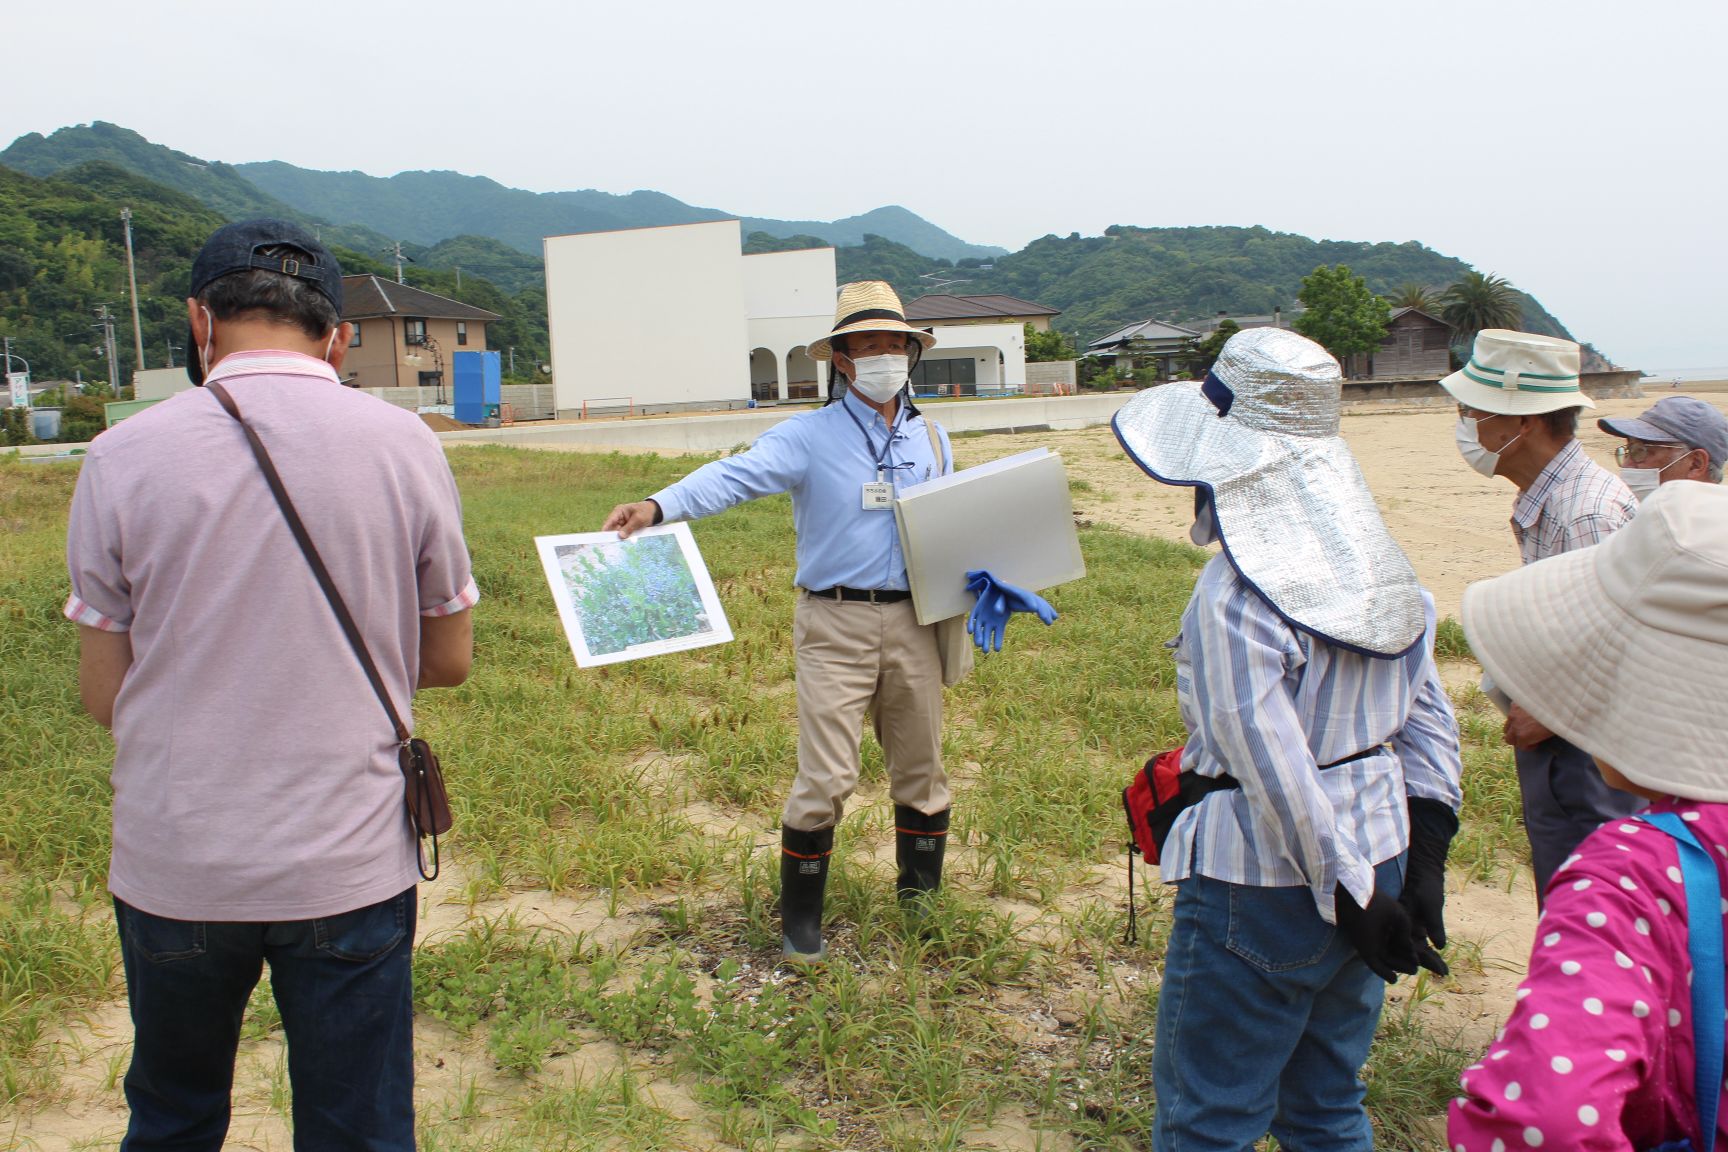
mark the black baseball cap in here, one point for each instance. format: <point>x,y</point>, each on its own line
<point>237,247</point>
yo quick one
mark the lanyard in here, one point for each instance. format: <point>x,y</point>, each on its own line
<point>869,444</point>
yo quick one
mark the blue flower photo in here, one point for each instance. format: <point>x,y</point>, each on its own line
<point>632,592</point>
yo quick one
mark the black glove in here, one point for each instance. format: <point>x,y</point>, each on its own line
<point>1432,826</point>
<point>1380,932</point>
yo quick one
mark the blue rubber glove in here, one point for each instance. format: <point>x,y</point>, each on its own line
<point>996,602</point>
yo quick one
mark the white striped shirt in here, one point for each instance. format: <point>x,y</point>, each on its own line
<point>1268,704</point>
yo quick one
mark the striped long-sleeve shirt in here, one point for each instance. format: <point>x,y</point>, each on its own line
<point>1268,705</point>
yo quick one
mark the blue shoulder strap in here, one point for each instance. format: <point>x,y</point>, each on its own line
<point>1704,925</point>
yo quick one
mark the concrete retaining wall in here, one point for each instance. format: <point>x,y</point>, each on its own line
<point>725,430</point>
<point>527,401</point>
<point>1424,392</point>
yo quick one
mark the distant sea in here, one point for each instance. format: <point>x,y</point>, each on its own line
<point>1686,375</point>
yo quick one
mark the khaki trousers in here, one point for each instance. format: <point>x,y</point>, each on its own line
<point>852,659</point>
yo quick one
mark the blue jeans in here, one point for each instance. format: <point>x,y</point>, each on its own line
<point>344,987</point>
<point>1264,1020</point>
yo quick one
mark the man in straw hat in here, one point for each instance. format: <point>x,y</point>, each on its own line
<point>859,646</point>
<point>1677,438</point>
<point>1318,725</point>
<point>1518,403</point>
<point>1622,649</point>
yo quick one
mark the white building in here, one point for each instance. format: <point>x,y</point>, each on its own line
<point>160,383</point>
<point>660,319</point>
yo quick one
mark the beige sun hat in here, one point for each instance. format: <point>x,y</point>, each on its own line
<point>1622,649</point>
<point>1292,510</point>
<point>1519,374</point>
<point>868,306</point>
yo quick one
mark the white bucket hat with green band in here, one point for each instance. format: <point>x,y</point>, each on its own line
<point>1519,374</point>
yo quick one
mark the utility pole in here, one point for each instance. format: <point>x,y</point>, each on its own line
<point>458,277</point>
<point>106,319</point>
<point>132,278</point>
<point>400,260</point>
<point>512,360</point>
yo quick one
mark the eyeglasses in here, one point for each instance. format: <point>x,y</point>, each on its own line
<point>1476,414</point>
<point>1638,451</point>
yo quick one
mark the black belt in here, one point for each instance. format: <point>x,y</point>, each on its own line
<point>1206,785</point>
<point>861,595</point>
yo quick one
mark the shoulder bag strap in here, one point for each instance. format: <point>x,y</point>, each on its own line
<point>1704,938</point>
<point>935,446</point>
<point>298,528</point>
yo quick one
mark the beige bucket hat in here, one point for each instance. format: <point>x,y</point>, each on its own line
<point>1622,648</point>
<point>868,306</point>
<point>1292,510</point>
<point>1519,374</point>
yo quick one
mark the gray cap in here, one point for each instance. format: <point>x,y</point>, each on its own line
<point>1677,420</point>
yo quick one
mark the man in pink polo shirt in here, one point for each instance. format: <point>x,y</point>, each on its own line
<point>258,802</point>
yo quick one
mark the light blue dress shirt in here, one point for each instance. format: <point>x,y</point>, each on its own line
<point>1268,704</point>
<point>824,458</point>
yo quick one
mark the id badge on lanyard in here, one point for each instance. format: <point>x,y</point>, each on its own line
<point>877,496</point>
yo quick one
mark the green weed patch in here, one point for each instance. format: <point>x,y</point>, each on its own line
<point>652,789</point>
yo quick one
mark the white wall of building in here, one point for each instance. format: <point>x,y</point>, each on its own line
<point>655,315</point>
<point>789,300</point>
<point>159,383</point>
<point>999,349</point>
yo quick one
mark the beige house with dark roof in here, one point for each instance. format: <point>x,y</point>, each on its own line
<point>994,308</point>
<point>403,336</point>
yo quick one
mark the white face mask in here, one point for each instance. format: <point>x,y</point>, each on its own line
<point>1471,448</point>
<point>1644,481</point>
<point>879,378</point>
<point>209,344</point>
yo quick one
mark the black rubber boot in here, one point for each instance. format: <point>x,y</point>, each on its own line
<point>803,877</point>
<point>919,842</point>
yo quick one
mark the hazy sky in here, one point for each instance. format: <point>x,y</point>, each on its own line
<point>1576,148</point>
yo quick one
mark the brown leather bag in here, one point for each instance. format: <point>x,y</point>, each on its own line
<point>422,779</point>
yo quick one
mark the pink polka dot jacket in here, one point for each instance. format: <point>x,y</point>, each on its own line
<point>1598,1052</point>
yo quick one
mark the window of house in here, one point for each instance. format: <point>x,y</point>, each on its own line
<point>414,330</point>
<point>354,341</point>
<point>461,332</point>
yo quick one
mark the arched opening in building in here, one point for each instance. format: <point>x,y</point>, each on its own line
<point>803,379</point>
<point>764,376</point>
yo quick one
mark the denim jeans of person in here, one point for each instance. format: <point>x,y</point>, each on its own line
<point>1264,1020</point>
<point>344,987</point>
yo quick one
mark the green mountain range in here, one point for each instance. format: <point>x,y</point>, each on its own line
<point>1183,274</point>
<point>63,255</point>
<point>423,208</point>
<point>475,240</point>
<point>426,207</point>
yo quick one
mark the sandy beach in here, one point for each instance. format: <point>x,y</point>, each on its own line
<point>1452,522</point>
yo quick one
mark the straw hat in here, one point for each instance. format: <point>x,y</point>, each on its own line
<point>1519,374</point>
<point>868,306</point>
<point>1293,513</point>
<point>1622,649</point>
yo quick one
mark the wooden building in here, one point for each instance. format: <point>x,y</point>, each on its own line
<point>1417,347</point>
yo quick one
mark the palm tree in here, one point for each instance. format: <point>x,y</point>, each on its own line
<point>1477,302</point>
<point>1413,295</point>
